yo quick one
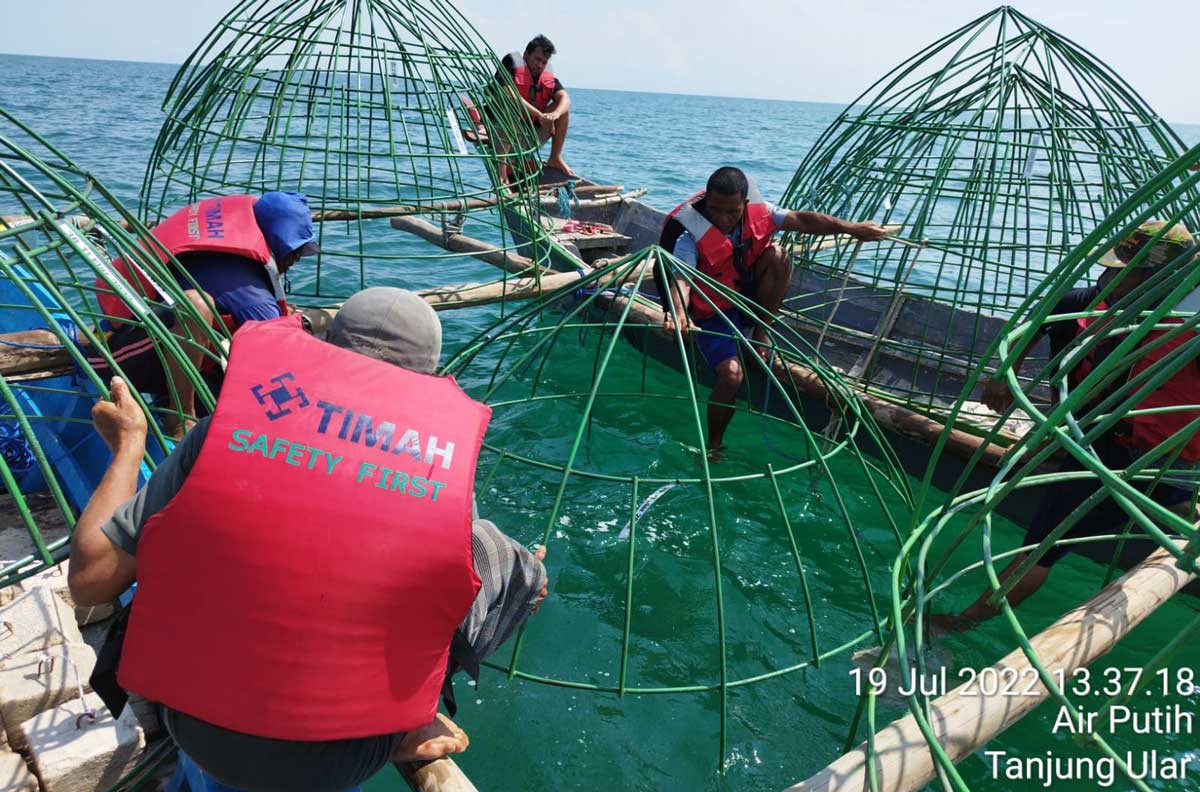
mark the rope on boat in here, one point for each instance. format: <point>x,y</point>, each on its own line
<point>566,197</point>
<point>67,325</point>
<point>15,448</point>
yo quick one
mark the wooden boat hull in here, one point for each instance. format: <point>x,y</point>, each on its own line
<point>860,314</point>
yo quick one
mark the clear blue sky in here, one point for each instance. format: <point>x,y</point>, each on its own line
<point>779,49</point>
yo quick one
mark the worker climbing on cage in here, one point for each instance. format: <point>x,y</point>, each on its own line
<point>725,232</point>
<point>234,250</point>
<point>1129,439</point>
<point>542,99</point>
<point>310,569</point>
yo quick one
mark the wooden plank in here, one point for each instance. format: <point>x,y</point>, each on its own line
<point>458,205</point>
<point>33,354</point>
<point>442,775</point>
<point>596,203</point>
<point>34,362</point>
<point>459,243</point>
<point>381,212</point>
<point>889,416</point>
<point>444,298</point>
<point>608,238</point>
<point>963,723</point>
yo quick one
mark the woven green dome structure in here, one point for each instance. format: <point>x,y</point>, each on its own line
<point>366,106</point>
<point>595,450</point>
<point>59,230</point>
<point>1129,347</point>
<point>1002,145</point>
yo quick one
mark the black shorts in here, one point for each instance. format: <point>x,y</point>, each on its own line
<point>261,764</point>
<point>137,355</point>
<point>141,362</point>
<point>1106,517</point>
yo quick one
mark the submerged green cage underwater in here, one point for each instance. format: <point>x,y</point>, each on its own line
<point>730,596</point>
<point>580,459</point>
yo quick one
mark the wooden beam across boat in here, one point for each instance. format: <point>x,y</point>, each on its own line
<point>605,193</point>
<point>445,298</point>
<point>33,354</point>
<point>596,203</point>
<point>38,354</point>
<point>963,723</point>
<point>442,775</point>
<point>460,205</point>
<point>460,243</point>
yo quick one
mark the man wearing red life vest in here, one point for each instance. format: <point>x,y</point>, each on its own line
<point>309,567</point>
<point>726,233</point>
<point>234,249</point>
<point>542,96</point>
<point>1128,439</point>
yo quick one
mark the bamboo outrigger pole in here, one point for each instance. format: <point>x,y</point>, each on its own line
<point>36,354</point>
<point>605,192</point>
<point>965,723</point>
<point>441,775</point>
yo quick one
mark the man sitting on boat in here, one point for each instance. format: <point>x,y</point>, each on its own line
<point>542,97</point>
<point>234,248</point>
<point>308,558</point>
<point>1128,440</point>
<point>726,233</point>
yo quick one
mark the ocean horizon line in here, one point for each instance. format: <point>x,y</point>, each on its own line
<point>845,104</point>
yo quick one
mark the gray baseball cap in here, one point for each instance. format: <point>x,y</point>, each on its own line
<point>392,325</point>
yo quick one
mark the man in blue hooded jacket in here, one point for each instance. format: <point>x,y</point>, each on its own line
<point>238,287</point>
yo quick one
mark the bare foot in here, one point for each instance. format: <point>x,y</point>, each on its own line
<point>175,428</point>
<point>432,741</point>
<point>557,162</point>
<point>668,327</point>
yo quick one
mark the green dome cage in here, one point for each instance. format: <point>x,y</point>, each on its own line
<point>1144,339</point>
<point>1001,146</point>
<point>60,229</point>
<point>687,576</point>
<point>377,111</point>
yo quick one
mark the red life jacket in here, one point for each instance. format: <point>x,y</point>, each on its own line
<point>224,224</point>
<point>538,93</point>
<point>306,581</point>
<point>1183,388</point>
<point>715,253</point>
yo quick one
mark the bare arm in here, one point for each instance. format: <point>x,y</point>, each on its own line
<point>561,104</point>
<point>680,292</point>
<point>821,224</point>
<point>994,391</point>
<point>529,109</point>
<point>100,571</point>
<point>513,583</point>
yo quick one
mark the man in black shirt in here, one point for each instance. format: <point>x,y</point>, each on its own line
<point>1114,448</point>
<point>542,97</point>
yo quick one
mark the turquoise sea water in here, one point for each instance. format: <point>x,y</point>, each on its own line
<point>530,736</point>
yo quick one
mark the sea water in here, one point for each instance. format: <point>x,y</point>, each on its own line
<point>528,735</point>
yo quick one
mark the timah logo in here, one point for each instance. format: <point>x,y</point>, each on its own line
<point>280,396</point>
